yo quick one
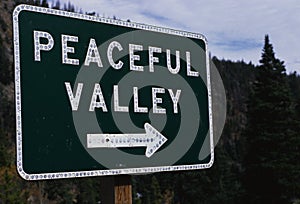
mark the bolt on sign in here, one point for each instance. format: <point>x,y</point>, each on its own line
<point>97,96</point>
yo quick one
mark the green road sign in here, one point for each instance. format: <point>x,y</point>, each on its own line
<point>98,96</point>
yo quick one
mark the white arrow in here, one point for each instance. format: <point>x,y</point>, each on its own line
<point>152,139</point>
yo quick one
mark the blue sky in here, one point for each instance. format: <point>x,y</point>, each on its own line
<point>235,29</point>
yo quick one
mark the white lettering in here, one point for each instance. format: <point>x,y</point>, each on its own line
<point>133,57</point>
<point>74,101</point>
<point>66,49</point>
<point>138,109</point>
<point>38,46</point>
<point>97,104</point>
<point>156,100</point>
<point>92,54</point>
<point>117,107</point>
<point>153,59</point>
<point>110,48</point>
<point>177,68</point>
<point>188,66</point>
<point>175,99</point>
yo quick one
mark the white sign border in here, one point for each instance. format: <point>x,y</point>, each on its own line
<point>75,174</point>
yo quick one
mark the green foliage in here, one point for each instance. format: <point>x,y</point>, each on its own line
<point>294,82</point>
<point>60,191</point>
<point>69,7</point>
<point>89,190</point>
<point>44,3</point>
<point>5,68</point>
<point>6,128</point>
<point>155,193</point>
<point>11,189</point>
<point>270,129</point>
<point>56,5</point>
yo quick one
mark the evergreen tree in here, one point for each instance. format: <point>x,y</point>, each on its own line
<point>30,2</point>
<point>59,190</point>
<point>11,189</point>
<point>36,2</point>
<point>294,81</point>
<point>45,4</point>
<point>269,134</point>
<point>56,5</point>
<point>5,68</point>
<point>155,193</point>
<point>69,7</point>
<point>88,189</point>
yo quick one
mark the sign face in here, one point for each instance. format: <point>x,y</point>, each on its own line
<point>98,96</point>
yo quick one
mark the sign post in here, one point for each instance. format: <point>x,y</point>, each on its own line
<point>99,97</point>
<point>116,189</point>
<point>123,189</point>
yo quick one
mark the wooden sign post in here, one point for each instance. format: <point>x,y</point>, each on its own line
<point>116,189</point>
<point>123,189</point>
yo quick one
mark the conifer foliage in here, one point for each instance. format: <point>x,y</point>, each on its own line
<point>271,128</point>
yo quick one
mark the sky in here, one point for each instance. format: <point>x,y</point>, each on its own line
<point>234,29</point>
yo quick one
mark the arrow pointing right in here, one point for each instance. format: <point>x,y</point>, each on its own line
<point>152,140</point>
